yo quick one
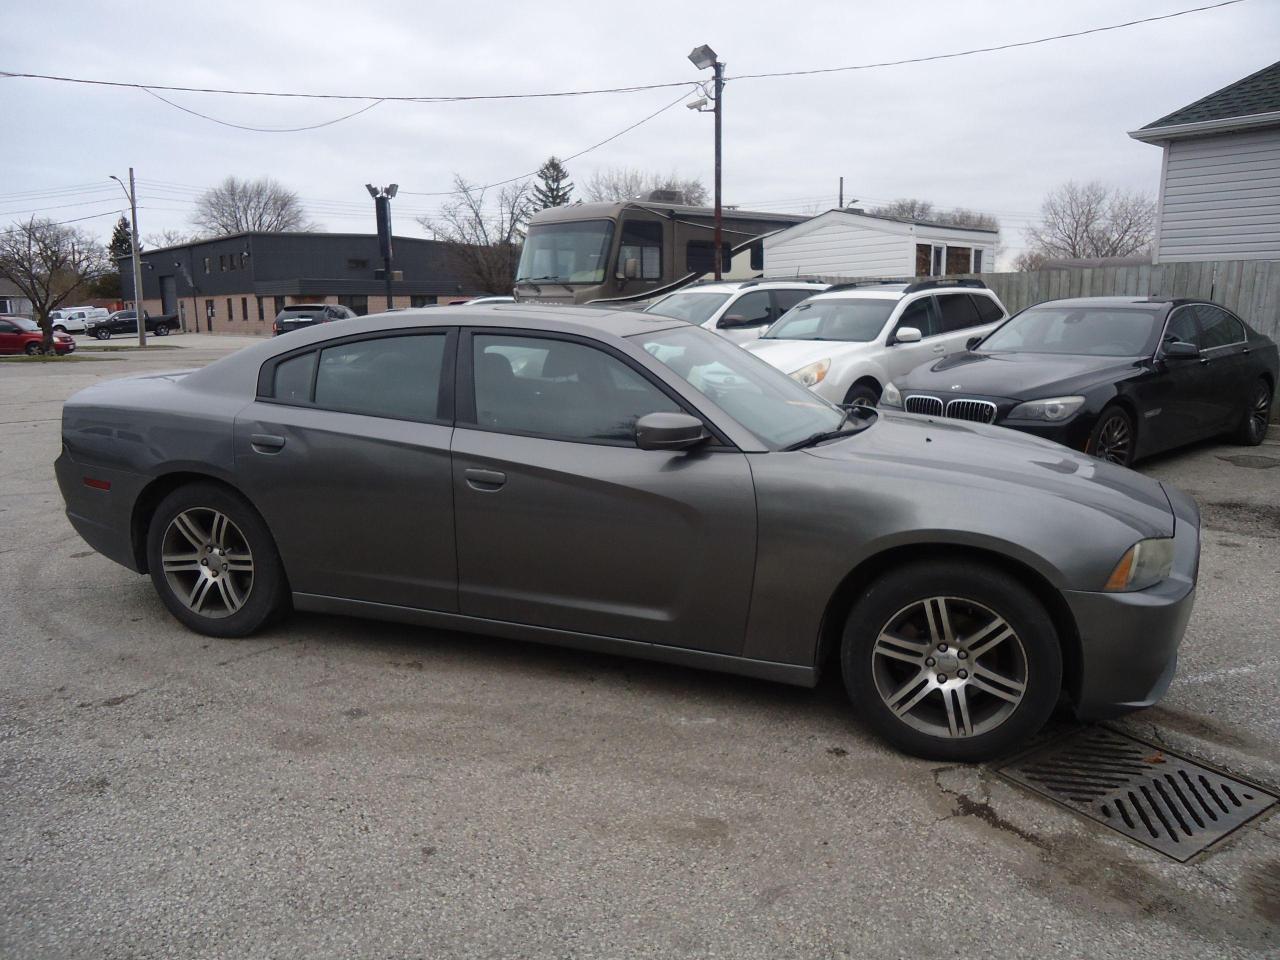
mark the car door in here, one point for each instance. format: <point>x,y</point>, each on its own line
<point>1224,346</point>
<point>1179,399</point>
<point>345,453</point>
<point>959,320</point>
<point>901,358</point>
<point>745,318</point>
<point>10,337</point>
<point>563,522</point>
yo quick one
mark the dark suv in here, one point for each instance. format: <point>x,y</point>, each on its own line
<point>302,315</point>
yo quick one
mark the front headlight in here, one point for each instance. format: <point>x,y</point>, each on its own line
<point>1055,408</point>
<point>811,375</point>
<point>1144,564</point>
<point>890,396</point>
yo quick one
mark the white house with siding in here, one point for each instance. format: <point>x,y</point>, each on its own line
<point>1220,178</point>
<point>851,243</point>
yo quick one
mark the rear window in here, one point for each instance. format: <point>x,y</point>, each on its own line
<point>988,310</point>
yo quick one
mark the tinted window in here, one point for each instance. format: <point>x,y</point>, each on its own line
<point>754,308</point>
<point>1217,327</point>
<point>1082,331</point>
<point>293,379</point>
<point>387,377</point>
<point>957,312</point>
<point>849,320</point>
<point>641,243</point>
<point>988,310</point>
<point>918,314</point>
<point>786,299</point>
<point>700,258</point>
<point>693,307</point>
<point>7,327</point>
<point>560,389</point>
<point>1182,326</point>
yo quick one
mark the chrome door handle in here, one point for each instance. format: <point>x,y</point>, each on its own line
<point>266,443</point>
<point>486,481</point>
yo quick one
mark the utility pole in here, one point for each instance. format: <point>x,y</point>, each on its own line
<point>382,210</point>
<point>703,57</point>
<point>132,194</point>
<point>841,203</point>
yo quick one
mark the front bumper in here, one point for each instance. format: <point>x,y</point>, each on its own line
<point>1129,641</point>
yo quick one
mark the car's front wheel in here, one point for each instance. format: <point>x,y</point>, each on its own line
<point>214,563</point>
<point>1253,426</point>
<point>162,330</point>
<point>102,333</point>
<point>33,349</point>
<point>952,661</point>
<point>1113,437</point>
<point>861,395</point>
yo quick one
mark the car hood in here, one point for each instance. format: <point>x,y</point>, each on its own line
<point>791,355</point>
<point>1018,376</point>
<point>991,458</point>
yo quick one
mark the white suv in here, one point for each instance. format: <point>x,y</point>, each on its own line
<point>74,319</point>
<point>738,310</point>
<point>847,343</point>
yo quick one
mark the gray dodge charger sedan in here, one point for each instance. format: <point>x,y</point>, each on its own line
<point>632,484</point>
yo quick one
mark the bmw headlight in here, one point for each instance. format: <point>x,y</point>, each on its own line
<point>1054,408</point>
<point>812,374</point>
<point>1144,564</point>
<point>890,396</point>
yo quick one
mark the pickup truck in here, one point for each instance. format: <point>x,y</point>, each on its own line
<point>126,321</point>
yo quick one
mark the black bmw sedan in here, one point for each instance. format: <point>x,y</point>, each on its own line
<point>1117,377</point>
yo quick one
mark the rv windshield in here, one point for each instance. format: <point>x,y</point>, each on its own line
<point>573,252</point>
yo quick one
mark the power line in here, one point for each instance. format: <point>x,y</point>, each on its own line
<point>631,88</point>
<point>241,126</point>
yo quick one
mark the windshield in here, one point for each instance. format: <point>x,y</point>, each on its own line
<point>1082,331</point>
<point>853,321</point>
<point>693,307</point>
<point>574,252</point>
<point>764,400</point>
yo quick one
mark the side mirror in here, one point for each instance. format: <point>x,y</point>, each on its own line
<point>972,342</point>
<point>907,335</point>
<point>631,269</point>
<point>1181,350</point>
<point>669,431</point>
<point>738,320</point>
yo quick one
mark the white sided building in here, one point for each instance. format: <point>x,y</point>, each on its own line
<point>853,244</point>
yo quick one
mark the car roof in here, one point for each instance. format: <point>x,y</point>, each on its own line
<point>1154,303</point>
<point>771,283</point>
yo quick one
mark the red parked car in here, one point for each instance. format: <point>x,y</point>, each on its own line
<point>20,335</point>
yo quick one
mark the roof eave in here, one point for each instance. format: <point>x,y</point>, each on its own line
<point>1177,131</point>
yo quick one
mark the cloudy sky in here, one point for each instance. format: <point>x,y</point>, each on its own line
<point>992,132</point>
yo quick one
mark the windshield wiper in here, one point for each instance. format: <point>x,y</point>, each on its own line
<point>534,279</point>
<point>815,438</point>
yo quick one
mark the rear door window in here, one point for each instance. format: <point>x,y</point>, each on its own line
<point>394,377</point>
<point>957,312</point>
<point>293,379</point>
<point>988,310</point>
<point>1217,327</point>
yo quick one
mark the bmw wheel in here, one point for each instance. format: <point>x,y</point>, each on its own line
<point>952,661</point>
<point>214,563</point>
<point>1113,438</point>
<point>1253,427</point>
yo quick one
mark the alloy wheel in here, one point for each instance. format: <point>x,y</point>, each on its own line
<point>207,562</point>
<point>1115,440</point>
<point>949,667</point>
<point>1259,411</point>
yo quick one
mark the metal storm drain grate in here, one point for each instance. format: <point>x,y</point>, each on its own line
<point>1168,802</point>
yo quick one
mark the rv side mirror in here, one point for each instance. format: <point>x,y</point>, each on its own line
<point>631,269</point>
<point>972,342</point>
<point>907,335</point>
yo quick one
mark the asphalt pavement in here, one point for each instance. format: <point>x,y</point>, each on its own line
<point>342,788</point>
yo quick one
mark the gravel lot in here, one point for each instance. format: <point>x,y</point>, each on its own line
<point>339,788</point>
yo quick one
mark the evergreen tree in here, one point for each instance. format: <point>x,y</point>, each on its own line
<point>554,188</point>
<point>121,244</point>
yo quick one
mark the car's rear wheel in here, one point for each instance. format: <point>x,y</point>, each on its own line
<point>1253,427</point>
<point>33,349</point>
<point>952,660</point>
<point>214,563</point>
<point>1113,437</point>
<point>102,333</point>
<point>162,330</point>
<point>861,395</point>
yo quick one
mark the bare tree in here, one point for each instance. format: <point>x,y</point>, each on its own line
<point>911,208</point>
<point>167,238</point>
<point>1092,220</point>
<point>484,232</point>
<point>631,183</point>
<point>50,263</point>
<point>238,206</point>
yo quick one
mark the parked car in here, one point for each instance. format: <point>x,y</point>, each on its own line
<point>303,315</point>
<point>1118,377</point>
<point>20,335</point>
<point>126,321</point>
<point>737,310</point>
<point>847,343</point>
<point>622,482</point>
<point>69,319</point>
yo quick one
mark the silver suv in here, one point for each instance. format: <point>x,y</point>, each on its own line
<point>738,310</point>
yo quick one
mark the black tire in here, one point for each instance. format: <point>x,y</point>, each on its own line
<point>860,394</point>
<point>59,328</point>
<point>265,595</point>
<point>162,330</point>
<point>994,727</point>
<point>1257,412</point>
<point>102,333</point>
<point>1114,437</point>
<point>33,349</point>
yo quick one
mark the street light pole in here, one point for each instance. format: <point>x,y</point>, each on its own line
<point>703,57</point>
<point>382,209</point>
<point>138,313</point>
